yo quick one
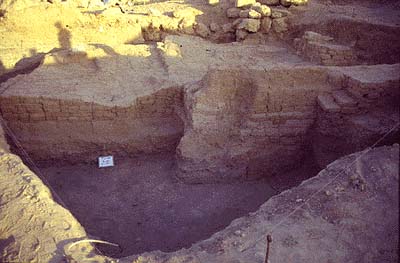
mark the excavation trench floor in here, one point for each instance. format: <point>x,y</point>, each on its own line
<point>141,206</point>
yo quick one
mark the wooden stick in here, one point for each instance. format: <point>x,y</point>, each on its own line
<point>269,241</point>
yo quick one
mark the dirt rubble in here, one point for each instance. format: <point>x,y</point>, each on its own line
<point>222,96</point>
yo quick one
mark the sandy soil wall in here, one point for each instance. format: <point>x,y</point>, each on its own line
<point>3,142</point>
<point>34,227</point>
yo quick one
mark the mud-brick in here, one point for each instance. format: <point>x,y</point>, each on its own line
<point>62,118</point>
<point>23,117</point>
<point>98,114</point>
<point>324,56</point>
<point>122,113</point>
<point>50,102</point>
<point>28,100</point>
<point>51,116</point>
<point>98,107</point>
<point>9,116</point>
<point>292,131</point>
<point>85,107</point>
<point>52,108</point>
<point>245,132</point>
<point>257,132</point>
<point>276,120</point>
<point>109,115</point>
<point>8,109</point>
<point>297,124</point>
<point>252,124</point>
<point>37,117</point>
<point>258,116</point>
<point>271,130</point>
<point>291,140</point>
<point>5,102</point>
<point>84,118</point>
<point>34,108</point>
<point>83,115</point>
<point>103,115</point>
<point>274,107</point>
<point>74,118</point>
<point>72,109</point>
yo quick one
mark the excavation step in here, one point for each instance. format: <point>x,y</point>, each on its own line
<point>327,103</point>
<point>347,104</point>
<point>371,83</point>
<point>342,98</point>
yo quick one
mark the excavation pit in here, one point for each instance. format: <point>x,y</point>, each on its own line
<point>141,205</point>
<point>209,122</point>
<point>189,158</point>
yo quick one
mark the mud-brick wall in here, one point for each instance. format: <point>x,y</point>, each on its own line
<point>248,123</point>
<point>73,130</point>
<point>37,109</point>
<point>372,43</point>
<point>325,53</point>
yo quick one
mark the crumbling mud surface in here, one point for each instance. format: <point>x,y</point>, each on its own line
<point>210,110</point>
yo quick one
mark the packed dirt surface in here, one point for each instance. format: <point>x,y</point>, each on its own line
<point>211,110</point>
<point>139,204</point>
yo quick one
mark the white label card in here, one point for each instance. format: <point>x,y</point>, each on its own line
<point>106,161</point>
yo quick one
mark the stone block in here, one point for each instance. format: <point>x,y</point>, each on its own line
<point>249,13</point>
<point>233,12</point>
<point>269,2</point>
<point>242,3</point>
<point>327,103</point>
<point>202,30</point>
<point>280,25</point>
<point>266,24</point>
<point>249,24</point>
<point>262,9</point>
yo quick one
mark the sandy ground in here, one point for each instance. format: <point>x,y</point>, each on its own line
<point>141,206</point>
